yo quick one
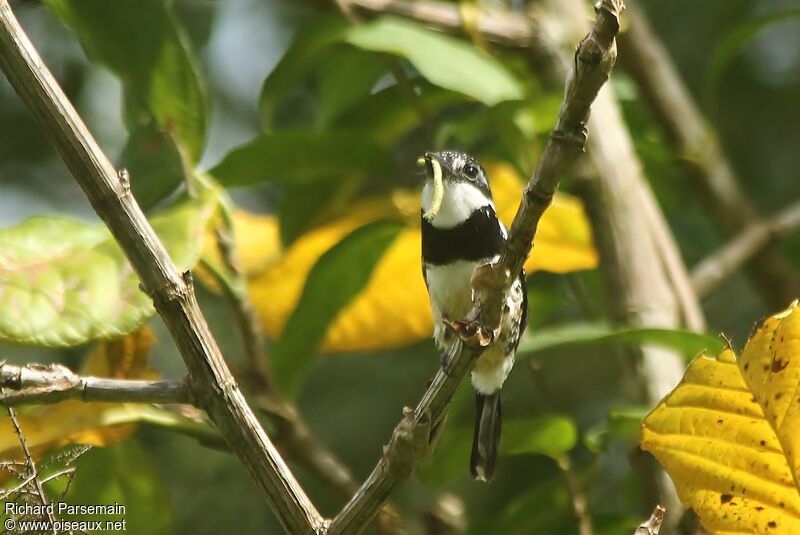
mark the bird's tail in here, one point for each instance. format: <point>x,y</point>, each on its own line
<point>486,440</point>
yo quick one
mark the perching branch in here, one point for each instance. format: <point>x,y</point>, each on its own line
<point>701,154</point>
<point>210,381</point>
<point>593,61</point>
<point>36,384</point>
<point>756,240</point>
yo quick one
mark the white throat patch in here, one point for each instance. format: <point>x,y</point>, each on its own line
<point>460,200</point>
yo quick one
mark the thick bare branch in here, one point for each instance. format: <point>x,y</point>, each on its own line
<point>36,384</point>
<point>211,382</point>
<point>704,160</point>
<point>724,262</point>
<point>593,61</point>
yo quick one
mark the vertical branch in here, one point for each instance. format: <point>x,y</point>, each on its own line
<point>647,283</point>
<point>593,61</point>
<point>702,156</point>
<point>211,382</point>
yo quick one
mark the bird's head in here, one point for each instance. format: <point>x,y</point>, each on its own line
<point>464,188</point>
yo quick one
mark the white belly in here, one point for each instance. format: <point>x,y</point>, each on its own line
<point>450,289</point>
<point>451,299</point>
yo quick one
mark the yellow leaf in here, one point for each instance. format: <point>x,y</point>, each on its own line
<point>771,366</point>
<point>563,240</point>
<point>74,422</point>
<point>393,309</point>
<point>727,434</point>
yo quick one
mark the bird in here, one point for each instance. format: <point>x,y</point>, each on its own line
<point>460,230</point>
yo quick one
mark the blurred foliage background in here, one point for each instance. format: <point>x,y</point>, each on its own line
<point>313,124</point>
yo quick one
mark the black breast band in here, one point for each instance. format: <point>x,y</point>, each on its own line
<point>477,238</point>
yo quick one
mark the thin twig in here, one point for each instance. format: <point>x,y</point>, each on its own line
<point>33,474</point>
<point>292,435</point>
<point>36,384</point>
<point>580,505</point>
<point>653,524</point>
<point>212,385</point>
<point>754,241</point>
<point>593,61</point>
<point>645,58</point>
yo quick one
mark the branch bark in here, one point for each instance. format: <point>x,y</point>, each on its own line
<point>291,432</point>
<point>701,154</point>
<point>411,439</point>
<point>211,382</point>
<point>653,524</point>
<point>755,240</point>
<point>36,384</point>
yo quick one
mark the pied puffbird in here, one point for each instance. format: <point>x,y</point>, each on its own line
<point>460,230</point>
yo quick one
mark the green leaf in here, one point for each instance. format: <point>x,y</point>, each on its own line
<point>687,342</point>
<point>390,114</point>
<point>121,474</point>
<point>302,157</point>
<point>734,42</point>
<point>445,61</point>
<point>141,42</point>
<point>154,162</point>
<point>336,278</point>
<point>623,423</point>
<point>550,435</point>
<point>345,80</point>
<point>65,282</point>
<point>307,50</point>
<point>545,508</point>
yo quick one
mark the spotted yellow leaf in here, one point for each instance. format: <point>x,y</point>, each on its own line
<point>728,434</point>
<point>393,309</point>
<point>75,422</point>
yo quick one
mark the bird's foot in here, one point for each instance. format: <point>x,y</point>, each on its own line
<point>472,333</point>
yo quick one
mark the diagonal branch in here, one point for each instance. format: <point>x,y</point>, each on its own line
<point>755,240</point>
<point>211,383</point>
<point>592,64</point>
<point>36,384</point>
<point>291,432</point>
<point>701,154</point>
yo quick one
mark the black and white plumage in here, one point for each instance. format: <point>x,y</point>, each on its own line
<point>464,233</point>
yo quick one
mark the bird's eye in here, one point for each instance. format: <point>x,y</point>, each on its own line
<point>470,171</point>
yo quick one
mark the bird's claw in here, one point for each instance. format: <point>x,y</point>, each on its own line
<point>472,333</point>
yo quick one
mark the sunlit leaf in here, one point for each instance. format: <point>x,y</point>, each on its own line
<point>302,157</point>
<point>687,342</point>
<point>336,278</point>
<point>140,41</point>
<point>65,282</point>
<point>727,434</point>
<point>75,422</point>
<point>393,309</point>
<point>445,61</point>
